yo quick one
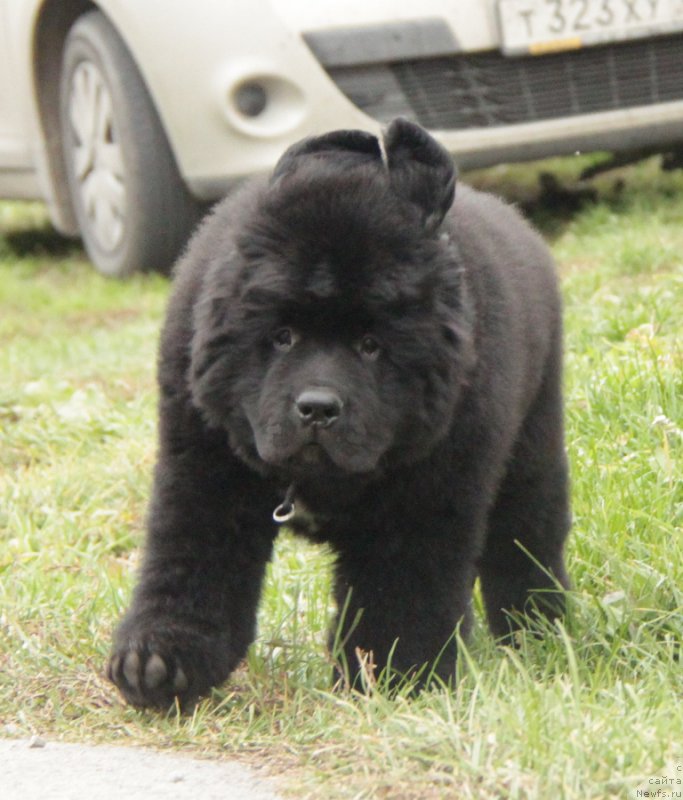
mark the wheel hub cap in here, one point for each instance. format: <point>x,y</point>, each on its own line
<point>97,156</point>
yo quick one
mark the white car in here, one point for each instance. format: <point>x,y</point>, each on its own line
<point>128,116</point>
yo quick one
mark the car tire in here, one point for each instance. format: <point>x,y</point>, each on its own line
<point>133,210</point>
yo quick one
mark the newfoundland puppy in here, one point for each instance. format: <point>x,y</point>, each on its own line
<point>350,351</point>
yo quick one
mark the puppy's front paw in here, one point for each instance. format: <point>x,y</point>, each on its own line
<point>155,668</point>
<point>148,679</point>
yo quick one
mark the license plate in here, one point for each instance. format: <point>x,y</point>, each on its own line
<point>542,26</point>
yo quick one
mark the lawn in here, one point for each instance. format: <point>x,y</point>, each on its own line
<point>593,710</point>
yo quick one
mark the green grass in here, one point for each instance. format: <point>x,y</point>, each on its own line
<point>591,711</point>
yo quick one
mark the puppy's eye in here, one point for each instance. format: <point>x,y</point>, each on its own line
<point>284,339</point>
<point>369,347</point>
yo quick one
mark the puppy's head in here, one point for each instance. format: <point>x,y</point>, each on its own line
<point>332,342</point>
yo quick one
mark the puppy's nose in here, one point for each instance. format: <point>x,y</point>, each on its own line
<point>318,407</point>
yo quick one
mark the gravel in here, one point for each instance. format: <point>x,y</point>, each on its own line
<point>36,769</point>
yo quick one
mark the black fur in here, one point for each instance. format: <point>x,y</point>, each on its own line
<point>344,330</point>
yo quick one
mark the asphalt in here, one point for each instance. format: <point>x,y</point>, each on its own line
<point>44,770</point>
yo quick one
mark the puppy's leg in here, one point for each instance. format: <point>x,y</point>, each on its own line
<point>404,575</point>
<point>401,614</point>
<point>522,565</point>
<point>194,609</point>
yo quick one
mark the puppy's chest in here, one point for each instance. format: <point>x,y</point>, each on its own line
<point>306,522</point>
<point>320,517</point>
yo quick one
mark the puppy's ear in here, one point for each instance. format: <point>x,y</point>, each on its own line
<point>421,170</point>
<point>346,147</point>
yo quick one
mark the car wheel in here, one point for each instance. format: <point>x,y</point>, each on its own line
<point>133,210</point>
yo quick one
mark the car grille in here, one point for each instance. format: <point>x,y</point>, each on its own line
<point>481,90</point>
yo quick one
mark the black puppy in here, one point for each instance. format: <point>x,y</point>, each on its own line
<point>345,338</point>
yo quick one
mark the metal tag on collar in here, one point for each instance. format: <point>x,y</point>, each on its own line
<point>284,512</point>
<point>287,508</point>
